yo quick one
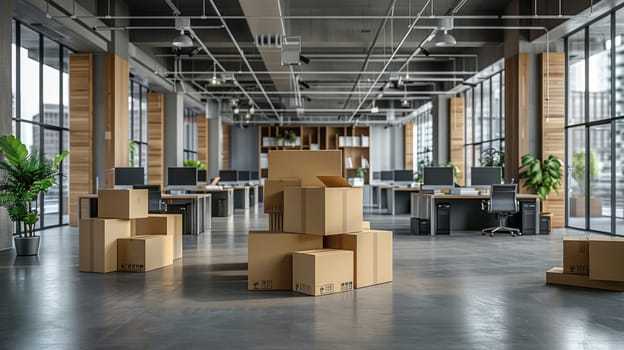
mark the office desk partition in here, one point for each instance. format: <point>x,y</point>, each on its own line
<point>466,213</point>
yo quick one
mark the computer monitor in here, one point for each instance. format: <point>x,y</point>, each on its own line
<point>243,175</point>
<point>387,175</point>
<point>228,175</point>
<point>201,175</point>
<point>438,177</point>
<point>485,176</point>
<point>129,176</point>
<point>403,176</point>
<point>376,175</point>
<point>253,175</point>
<point>182,178</point>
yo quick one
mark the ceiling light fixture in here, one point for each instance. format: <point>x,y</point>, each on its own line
<point>445,40</point>
<point>214,80</point>
<point>374,109</point>
<point>236,110</point>
<point>182,40</point>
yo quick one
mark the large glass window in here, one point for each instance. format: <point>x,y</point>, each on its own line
<point>600,69</point>
<point>190,134</point>
<point>137,129</point>
<point>40,90</point>
<point>576,78</point>
<point>423,139</point>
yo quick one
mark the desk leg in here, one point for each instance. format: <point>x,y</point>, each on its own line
<point>432,219</point>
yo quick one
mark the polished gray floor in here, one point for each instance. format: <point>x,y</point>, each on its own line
<point>462,291</point>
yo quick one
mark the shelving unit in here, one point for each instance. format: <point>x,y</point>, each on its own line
<point>353,141</point>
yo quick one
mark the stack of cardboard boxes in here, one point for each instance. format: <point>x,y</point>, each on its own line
<point>591,262</point>
<point>124,237</point>
<point>317,243</point>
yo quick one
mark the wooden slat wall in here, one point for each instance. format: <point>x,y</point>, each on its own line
<point>409,146</point>
<point>116,146</point>
<point>516,113</point>
<point>456,120</point>
<point>81,130</point>
<point>225,146</point>
<point>202,139</point>
<point>553,133</point>
<point>155,139</point>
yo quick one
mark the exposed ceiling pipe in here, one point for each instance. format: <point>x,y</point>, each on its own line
<point>382,72</point>
<point>113,28</point>
<point>370,50</point>
<point>466,17</point>
<point>173,8</point>
<point>242,54</point>
<point>344,92</point>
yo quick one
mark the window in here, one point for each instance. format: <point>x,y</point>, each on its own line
<point>190,134</point>
<point>40,113</point>
<point>137,129</point>
<point>423,139</point>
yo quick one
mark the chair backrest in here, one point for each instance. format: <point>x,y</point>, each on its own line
<point>503,198</point>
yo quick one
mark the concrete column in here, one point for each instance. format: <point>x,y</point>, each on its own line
<point>6,13</point>
<point>213,111</point>
<point>174,127</point>
<point>441,135</point>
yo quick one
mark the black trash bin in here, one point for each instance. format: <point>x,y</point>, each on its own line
<point>443,219</point>
<point>219,208</point>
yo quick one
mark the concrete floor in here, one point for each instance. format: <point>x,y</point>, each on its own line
<point>462,291</point>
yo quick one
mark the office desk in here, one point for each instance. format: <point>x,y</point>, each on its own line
<point>245,196</point>
<point>466,212</point>
<point>399,199</point>
<point>200,205</point>
<point>380,195</point>
<point>222,201</point>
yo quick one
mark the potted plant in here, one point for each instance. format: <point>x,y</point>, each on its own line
<point>280,140</point>
<point>360,174</point>
<point>194,164</point>
<point>291,137</point>
<point>541,177</point>
<point>27,176</point>
<point>577,201</point>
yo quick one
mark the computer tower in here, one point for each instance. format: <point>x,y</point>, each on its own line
<point>528,212</point>
<point>420,226</point>
<point>443,219</point>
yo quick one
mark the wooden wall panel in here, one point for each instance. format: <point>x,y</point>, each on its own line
<point>81,130</point>
<point>456,127</point>
<point>156,139</point>
<point>116,146</point>
<point>225,147</point>
<point>553,123</point>
<point>202,139</point>
<point>516,113</point>
<point>409,146</point>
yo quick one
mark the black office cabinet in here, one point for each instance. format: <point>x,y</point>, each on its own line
<point>443,219</point>
<point>420,226</point>
<point>544,224</point>
<point>528,212</point>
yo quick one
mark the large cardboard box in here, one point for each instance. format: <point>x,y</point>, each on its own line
<point>274,193</point>
<point>98,243</point>
<point>161,224</point>
<point>606,258</point>
<point>144,253</point>
<point>556,276</point>
<point>305,165</point>
<point>333,209</point>
<point>576,255</point>
<point>372,255</point>
<point>323,271</point>
<point>270,258</point>
<point>365,225</point>
<point>122,204</point>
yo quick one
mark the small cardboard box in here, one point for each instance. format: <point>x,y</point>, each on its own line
<point>161,224</point>
<point>274,193</point>
<point>576,255</point>
<point>556,276</point>
<point>323,271</point>
<point>122,204</point>
<point>98,243</point>
<point>270,258</point>
<point>365,225</point>
<point>606,258</point>
<point>333,209</point>
<point>372,255</point>
<point>144,253</point>
<point>305,165</point>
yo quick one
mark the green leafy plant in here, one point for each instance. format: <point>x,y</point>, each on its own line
<point>578,168</point>
<point>132,149</point>
<point>492,157</point>
<point>541,177</point>
<point>194,164</point>
<point>360,172</point>
<point>27,176</point>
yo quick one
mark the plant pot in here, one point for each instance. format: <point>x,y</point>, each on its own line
<point>25,246</point>
<point>577,207</point>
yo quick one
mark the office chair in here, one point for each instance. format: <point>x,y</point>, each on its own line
<point>502,203</point>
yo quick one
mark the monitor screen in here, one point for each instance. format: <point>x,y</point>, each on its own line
<point>376,175</point>
<point>201,175</point>
<point>253,175</point>
<point>387,175</point>
<point>228,175</point>
<point>485,176</point>
<point>243,175</point>
<point>129,176</point>
<point>438,176</point>
<point>182,176</point>
<point>404,175</point>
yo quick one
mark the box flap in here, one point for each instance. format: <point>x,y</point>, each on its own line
<point>334,181</point>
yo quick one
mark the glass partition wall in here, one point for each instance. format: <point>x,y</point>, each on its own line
<point>595,125</point>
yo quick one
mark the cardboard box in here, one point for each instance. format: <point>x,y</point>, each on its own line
<point>365,225</point>
<point>333,209</point>
<point>606,258</point>
<point>270,258</point>
<point>372,255</point>
<point>323,271</point>
<point>556,276</point>
<point>161,224</point>
<point>122,204</point>
<point>576,255</point>
<point>305,165</point>
<point>144,253</point>
<point>274,194</point>
<point>98,243</point>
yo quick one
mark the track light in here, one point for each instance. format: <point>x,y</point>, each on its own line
<point>404,103</point>
<point>236,110</point>
<point>374,109</point>
<point>182,40</point>
<point>304,59</point>
<point>252,110</point>
<point>424,51</point>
